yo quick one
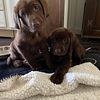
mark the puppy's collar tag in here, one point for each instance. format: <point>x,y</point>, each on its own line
<point>49,49</point>
<point>40,51</point>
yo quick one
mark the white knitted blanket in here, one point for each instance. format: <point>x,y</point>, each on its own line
<point>82,82</point>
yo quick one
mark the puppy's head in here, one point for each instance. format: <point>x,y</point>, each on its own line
<point>59,41</point>
<point>30,14</point>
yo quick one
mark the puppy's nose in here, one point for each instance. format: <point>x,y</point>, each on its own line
<point>37,22</point>
<point>57,51</point>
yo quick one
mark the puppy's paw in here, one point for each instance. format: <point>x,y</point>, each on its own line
<point>25,63</point>
<point>57,78</point>
<point>17,63</point>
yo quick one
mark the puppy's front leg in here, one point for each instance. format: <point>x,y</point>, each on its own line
<point>27,55</point>
<point>58,76</point>
<point>14,58</point>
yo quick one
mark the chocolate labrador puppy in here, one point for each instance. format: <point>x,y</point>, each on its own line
<point>30,41</point>
<point>65,51</point>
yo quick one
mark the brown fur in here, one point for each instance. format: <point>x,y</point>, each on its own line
<point>30,40</point>
<point>66,51</point>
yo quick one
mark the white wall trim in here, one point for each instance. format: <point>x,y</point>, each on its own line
<point>66,13</point>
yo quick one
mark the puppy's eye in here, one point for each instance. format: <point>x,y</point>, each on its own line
<point>65,41</point>
<point>36,7</point>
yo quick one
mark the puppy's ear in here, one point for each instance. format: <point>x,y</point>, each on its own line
<point>44,7</point>
<point>16,19</point>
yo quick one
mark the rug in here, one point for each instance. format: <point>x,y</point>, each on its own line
<point>37,85</point>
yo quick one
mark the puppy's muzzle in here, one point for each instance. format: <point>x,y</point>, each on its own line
<point>35,24</point>
<point>34,27</point>
<point>60,51</point>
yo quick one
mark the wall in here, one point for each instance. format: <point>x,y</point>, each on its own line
<point>75,15</point>
<point>6,18</point>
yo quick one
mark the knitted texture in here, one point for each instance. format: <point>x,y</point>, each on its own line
<point>82,82</point>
